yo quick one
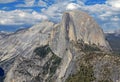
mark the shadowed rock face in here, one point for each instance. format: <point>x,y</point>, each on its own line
<point>56,61</point>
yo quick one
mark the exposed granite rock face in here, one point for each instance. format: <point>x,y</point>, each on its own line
<point>22,43</point>
<point>76,26</point>
<point>30,59</point>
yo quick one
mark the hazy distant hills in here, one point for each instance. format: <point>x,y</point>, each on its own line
<point>3,34</point>
<point>114,41</point>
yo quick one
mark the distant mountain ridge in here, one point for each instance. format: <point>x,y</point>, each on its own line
<point>114,41</point>
<point>117,32</point>
<point>49,52</point>
<point>3,34</point>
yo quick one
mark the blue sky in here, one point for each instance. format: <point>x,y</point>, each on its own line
<point>16,14</point>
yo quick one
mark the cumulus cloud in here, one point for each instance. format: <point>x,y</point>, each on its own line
<point>114,3</point>
<point>54,12</point>
<point>33,3</point>
<point>72,6</point>
<point>29,2</point>
<point>6,1</point>
<point>42,3</point>
<point>19,17</point>
<point>115,18</point>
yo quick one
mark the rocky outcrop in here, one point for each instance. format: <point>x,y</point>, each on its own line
<point>48,52</point>
<point>22,43</point>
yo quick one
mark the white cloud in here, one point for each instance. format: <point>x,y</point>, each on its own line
<point>114,3</point>
<point>33,3</point>
<point>19,17</point>
<point>115,18</point>
<point>6,1</point>
<point>42,3</point>
<point>8,21</point>
<point>29,2</point>
<point>72,6</point>
<point>54,12</point>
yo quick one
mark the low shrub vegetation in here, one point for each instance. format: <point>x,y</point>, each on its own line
<point>85,74</point>
<point>42,51</point>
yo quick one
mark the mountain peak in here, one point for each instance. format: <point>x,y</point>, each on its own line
<point>77,25</point>
<point>48,51</point>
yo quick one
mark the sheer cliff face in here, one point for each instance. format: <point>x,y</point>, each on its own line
<point>86,28</point>
<point>76,26</point>
<point>48,52</point>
